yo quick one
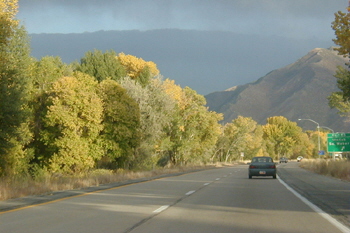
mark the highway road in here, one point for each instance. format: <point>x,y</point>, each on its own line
<point>214,200</point>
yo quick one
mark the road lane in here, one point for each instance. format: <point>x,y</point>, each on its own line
<point>237,204</point>
<point>216,200</point>
<point>113,210</point>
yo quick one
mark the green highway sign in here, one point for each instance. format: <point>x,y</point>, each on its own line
<point>338,142</point>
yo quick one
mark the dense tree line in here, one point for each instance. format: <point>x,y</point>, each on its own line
<point>115,111</point>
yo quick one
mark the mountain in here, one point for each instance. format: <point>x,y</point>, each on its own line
<point>296,91</point>
<point>206,61</point>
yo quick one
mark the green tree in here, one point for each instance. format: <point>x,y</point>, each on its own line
<point>200,129</point>
<point>121,123</point>
<point>340,100</point>
<point>341,26</point>
<point>102,65</point>
<point>44,73</point>
<point>48,70</point>
<point>242,135</point>
<point>305,147</point>
<point>156,109</point>
<point>281,135</point>
<point>194,130</point>
<point>72,124</point>
<point>14,91</point>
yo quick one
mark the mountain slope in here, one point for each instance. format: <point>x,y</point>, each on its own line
<point>299,90</point>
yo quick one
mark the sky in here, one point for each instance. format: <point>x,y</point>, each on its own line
<point>299,20</point>
<point>290,18</point>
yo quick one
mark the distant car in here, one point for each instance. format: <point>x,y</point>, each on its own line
<point>262,166</point>
<point>283,160</point>
<point>299,158</point>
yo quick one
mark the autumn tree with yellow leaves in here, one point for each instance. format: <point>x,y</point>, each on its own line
<point>8,11</point>
<point>137,68</point>
<point>242,136</point>
<point>194,130</point>
<point>283,137</point>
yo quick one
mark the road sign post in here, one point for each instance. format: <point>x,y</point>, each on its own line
<point>338,142</point>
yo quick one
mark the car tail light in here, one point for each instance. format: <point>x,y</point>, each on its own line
<point>273,166</point>
<point>252,166</point>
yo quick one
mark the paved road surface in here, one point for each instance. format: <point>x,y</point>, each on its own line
<point>216,200</point>
<point>329,194</point>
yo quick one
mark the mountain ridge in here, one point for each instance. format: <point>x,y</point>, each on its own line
<point>298,90</point>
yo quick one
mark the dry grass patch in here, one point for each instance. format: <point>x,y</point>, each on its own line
<point>338,169</point>
<point>20,187</point>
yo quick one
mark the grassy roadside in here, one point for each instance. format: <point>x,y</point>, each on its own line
<point>20,187</point>
<point>338,169</point>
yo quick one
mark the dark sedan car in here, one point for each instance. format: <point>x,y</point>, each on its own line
<point>283,160</point>
<point>262,166</point>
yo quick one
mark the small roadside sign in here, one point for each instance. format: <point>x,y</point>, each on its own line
<point>338,142</point>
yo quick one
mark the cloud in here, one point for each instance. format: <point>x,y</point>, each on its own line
<point>297,18</point>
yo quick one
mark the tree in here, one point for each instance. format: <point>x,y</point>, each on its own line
<point>45,73</point>
<point>8,11</point>
<point>336,100</point>
<point>121,123</point>
<point>14,91</point>
<point>102,65</point>
<point>281,135</point>
<point>305,147</point>
<point>138,69</point>
<point>341,26</point>
<point>72,125</point>
<point>156,109</point>
<point>340,100</point>
<point>194,129</point>
<point>242,135</point>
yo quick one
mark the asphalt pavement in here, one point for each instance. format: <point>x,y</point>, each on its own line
<point>329,194</point>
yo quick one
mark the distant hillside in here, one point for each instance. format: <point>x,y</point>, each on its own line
<point>299,90</point>
<point>206,61</point>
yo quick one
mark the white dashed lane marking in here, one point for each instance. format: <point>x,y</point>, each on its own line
<point>160,209</point>
<point>190,192</point>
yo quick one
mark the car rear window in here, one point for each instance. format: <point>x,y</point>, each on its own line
<point>262,160</point>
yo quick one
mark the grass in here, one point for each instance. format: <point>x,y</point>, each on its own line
<point>334,168</point>
<point>20,187</point>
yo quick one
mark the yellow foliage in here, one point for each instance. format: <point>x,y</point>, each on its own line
<point>134,65</point>
<point>175,92</point>
<point>8,8</point>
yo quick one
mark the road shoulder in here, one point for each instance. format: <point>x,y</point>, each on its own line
<point>329,194</point>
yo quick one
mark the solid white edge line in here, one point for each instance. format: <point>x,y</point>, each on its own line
<point>160,209</point>
<point>332,220</point>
